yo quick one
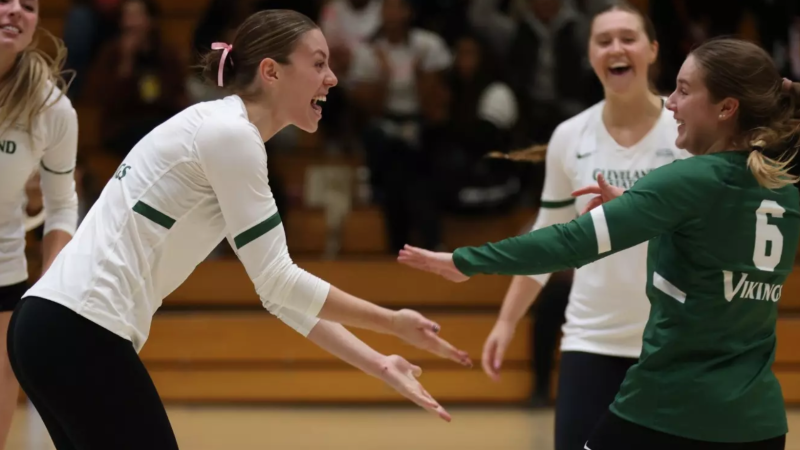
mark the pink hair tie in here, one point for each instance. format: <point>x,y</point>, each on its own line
<point>226,48</point>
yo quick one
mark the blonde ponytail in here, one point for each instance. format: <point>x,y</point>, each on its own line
<point>534,153</point>
<point>26,88</point>
<point>770,173</point>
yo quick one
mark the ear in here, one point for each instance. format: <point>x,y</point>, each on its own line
<point>654,48</point>
<point>728,108</point>
<point>269,70</point>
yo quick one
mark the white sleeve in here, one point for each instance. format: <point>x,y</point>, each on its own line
<point>557,204</point>
<point>57,170</point>
<point>235,163</point>
<point>433,51</point>
<point>498,106</point>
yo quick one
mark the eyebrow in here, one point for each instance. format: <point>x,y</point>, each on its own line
<point>623,30</point>
<point>324,55</point>
<point>682,81</point>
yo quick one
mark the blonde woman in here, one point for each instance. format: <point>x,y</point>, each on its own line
<point>38,130</point>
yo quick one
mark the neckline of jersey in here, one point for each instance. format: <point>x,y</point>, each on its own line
<point>643,143</point>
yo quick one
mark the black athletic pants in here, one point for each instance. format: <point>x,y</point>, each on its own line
<point>615,433</point>
<point>88,385</point>
<point>587,385</point>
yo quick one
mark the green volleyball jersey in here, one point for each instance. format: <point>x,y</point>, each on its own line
<point>720,249</point>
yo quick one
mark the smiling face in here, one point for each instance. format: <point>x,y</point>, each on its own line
<point>700,119</point>
<point>620,51</point>
<point>303,83</point>
<point>18,20</point>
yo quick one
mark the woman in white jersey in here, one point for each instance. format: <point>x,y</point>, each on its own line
<point>38,132</point>
<point>621,138</point>
<point>198,178</point>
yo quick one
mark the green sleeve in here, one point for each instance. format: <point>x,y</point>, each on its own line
<point>658,203</point>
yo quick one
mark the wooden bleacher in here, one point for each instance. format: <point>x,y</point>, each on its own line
<point>212,341</point>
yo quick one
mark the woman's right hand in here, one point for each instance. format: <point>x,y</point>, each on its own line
<point>495,348</point>
<point>604,193</point>
<point>402,376</point>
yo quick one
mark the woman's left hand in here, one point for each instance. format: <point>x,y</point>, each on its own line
<point>439,263</point>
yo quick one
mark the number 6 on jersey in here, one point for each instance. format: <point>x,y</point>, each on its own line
<point>766,232</point>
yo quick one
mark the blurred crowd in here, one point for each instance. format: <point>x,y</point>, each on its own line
<point>426,87</point>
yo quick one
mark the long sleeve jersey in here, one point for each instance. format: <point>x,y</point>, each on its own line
<point>720,249</point>
<point>198,178</point>
<point>50,145</point>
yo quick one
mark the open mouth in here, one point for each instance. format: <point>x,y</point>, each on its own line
<point>11,28</point>
<point>620,69</point>
<point>316,103</point>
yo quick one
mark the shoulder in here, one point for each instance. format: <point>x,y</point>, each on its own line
<point>573,127</point>
<point>223,125</point>
<point>57,105</point>
<point>701,175</point>
<point>578,122</point>
<point>58,118</point>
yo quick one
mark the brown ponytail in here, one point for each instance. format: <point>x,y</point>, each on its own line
<point>265,34</point>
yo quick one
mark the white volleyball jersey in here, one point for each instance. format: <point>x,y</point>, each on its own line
<point>607,308</point>
<point>51,147</point>
<point>198,178</point>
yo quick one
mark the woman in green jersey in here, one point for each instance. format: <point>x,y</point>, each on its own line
<point>723,228</point>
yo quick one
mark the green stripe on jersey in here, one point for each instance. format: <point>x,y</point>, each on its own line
<point>257,231</point>
<point>153,214</point>
<point>67,172</point>
<point>560,204</point>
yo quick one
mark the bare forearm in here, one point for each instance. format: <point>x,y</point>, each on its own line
<point>519,298</point>
<point>346,309</point>
<point>338,341</point>
<point>52,243</point>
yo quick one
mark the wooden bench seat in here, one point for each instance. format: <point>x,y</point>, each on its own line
<point>252,357</point>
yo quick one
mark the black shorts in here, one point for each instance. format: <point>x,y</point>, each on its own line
<point>615,433</point>
<point>10,296</point>
<point>583,400</point>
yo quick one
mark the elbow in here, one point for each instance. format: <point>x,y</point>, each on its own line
<point>285,285</point>
<point>62,216</point>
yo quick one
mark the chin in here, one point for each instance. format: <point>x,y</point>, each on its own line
<point>309,127</point>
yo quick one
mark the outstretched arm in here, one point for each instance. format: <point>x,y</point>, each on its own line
<point>658,203</point>
<point>235,163</point>
<point>393,370</point>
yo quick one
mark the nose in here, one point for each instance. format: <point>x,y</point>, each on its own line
<point>616,47</point>
<point>671,102</point>
<point>330,79</point>
<point>14,7</point>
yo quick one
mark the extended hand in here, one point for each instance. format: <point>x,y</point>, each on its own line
<point>438,263</point>
<point>604,193</point>
<point>402,376</point>
<point>422,333</point>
